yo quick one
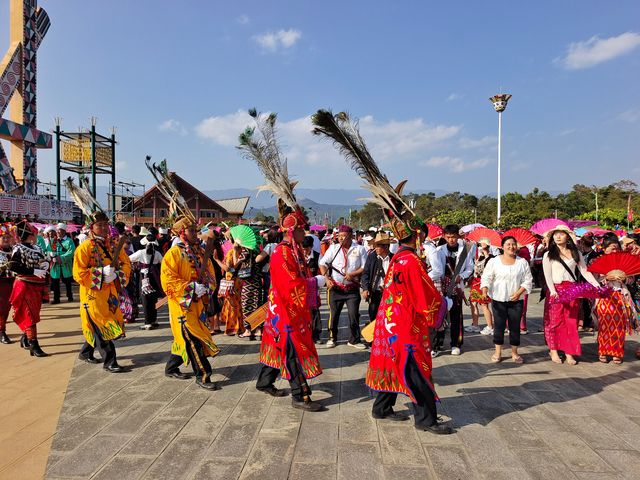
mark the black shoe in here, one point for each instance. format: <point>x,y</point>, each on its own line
<point>54,302</point>
<point>70,299</point>
<point>393,416</point>
<point>308,405</point>
<point>273,391</point>
<point>24,342</point>
<point>35,350</point>
<point>208,385</point>
<point>116,369</point>
<point>436,428</point>
<point>91,360</point>
<point>5,339</point>
<point>177,374</point>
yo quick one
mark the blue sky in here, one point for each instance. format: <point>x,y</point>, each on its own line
<point>176,77</point>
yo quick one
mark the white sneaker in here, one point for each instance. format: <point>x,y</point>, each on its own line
<point>434,353</point>
<point>455,351</point>
<point>486,331</point>
<point>330,343</point>
<point>359,346</point>
<point>524,332</point>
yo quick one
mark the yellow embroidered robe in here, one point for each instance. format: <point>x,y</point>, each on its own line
<point>99,300</point>
<point>178,276</point>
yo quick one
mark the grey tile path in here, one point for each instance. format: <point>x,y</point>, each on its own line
<point>533,421</point>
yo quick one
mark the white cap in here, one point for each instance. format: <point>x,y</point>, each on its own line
<point>62,226</point>
<point>163,231</point>
<point>50,229</point>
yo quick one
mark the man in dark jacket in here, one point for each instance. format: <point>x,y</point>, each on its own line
<point>374,272</point>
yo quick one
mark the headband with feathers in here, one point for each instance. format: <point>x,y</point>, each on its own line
<point>180,214</point>
<point>259,144</point>
<point>346,136</point>
<point>85,200</point>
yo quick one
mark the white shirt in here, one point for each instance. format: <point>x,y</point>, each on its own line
<point>353,259</point>
<point>316,243</point>
<point>505,280</point>
<point>142,257</point>
<point>394,246</point>
<point>268,249</point>
<point>554,272</point>
<point>435,267</point>
<point>385,267</point>
<point>467,269</point>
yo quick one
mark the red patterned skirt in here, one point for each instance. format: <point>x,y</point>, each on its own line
<point>561,324</point>
<point>26,300</point>
<point>476,292</point>
<point>613,322</point>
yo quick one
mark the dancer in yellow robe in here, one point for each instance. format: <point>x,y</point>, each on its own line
<point>100,312</point>
<point>187,294</point>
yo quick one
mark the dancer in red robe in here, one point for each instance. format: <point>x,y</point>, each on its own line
<point>287,347</point>
<point>6,278</point>
<point>400,359</point>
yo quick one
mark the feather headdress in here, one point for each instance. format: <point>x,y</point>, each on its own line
<point>260,145</point>
<point>85,200</point>
<point>346,136</point>
<point>179,211</point>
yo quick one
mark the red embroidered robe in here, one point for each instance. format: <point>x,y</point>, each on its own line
<point>410,306</point>
<point>289,316</point>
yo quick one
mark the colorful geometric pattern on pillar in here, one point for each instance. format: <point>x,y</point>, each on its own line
<point>18,74</point>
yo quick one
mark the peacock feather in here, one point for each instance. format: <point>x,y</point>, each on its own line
<point>345,134</point>
<point>260,145</point>
<point>176,202</point>
<point>82,196</point>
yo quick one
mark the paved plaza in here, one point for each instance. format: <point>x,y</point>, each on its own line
<point>538,420</point>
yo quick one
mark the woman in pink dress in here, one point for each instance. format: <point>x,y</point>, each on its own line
<point>563,264</point>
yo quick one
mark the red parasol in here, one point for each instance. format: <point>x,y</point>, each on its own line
<point>542,227</point>
<point>435,231</point>
<point>523,236</point>
<point>485,235</point>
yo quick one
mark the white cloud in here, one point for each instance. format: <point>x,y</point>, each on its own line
<point>243,19</point>
<point>454,96</point>
<point>280,40</point>
<point>631,116</point>
<point>488,141</point>
<point>596,50</point>
<point>392,141</point>
<point>456,164</point>
<point>172,125</point>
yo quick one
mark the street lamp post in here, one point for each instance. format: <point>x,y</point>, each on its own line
<point>499,104</point>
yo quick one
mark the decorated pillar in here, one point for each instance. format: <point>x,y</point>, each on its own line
<point>28,26</point>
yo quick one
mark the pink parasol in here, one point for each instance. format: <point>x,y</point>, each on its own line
<point>317,228</point>
<point>226,246</point>
<point>542,227</point>
<point>573,224</point>
<point>598,231</point>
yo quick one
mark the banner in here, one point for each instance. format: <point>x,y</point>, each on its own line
<point>36,207</point>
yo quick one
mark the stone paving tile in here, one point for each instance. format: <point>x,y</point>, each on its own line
<point>359,460</point>
<point>543,465</point>
<point>218,469</point>
<point>575,452</point>
<point>124,467</point>
<point>313,471</point>
<point>450,461</point>
<point>84,461</point>
<point>179,458</point>
<point>538,420</point>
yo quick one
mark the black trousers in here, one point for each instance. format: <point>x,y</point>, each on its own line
<point>106,347</point>
<point>375,297</point>
<point>585,308</point>
<point>195,352</point>
<point>149,306</point>
<point>298,383</point>
<point>337,300</point>
<point>425,412</point>
<point>455,328</point>
<point>55,288</point>
<point>506,313</point>
<point>316,324</point>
